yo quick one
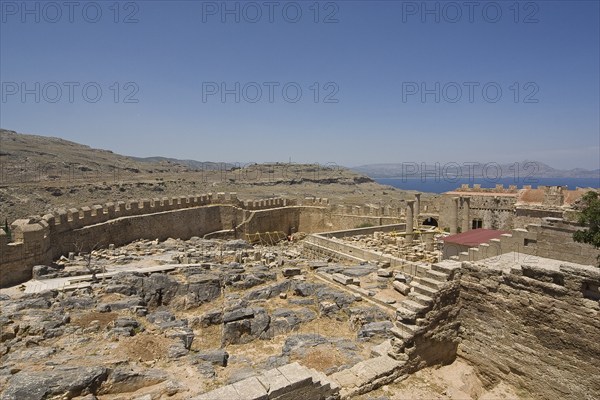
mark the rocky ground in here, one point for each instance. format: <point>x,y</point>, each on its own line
<point>184,332</point>
<point>231,311</point>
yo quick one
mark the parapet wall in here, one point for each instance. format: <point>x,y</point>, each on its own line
<point>553,238</point>
<point>40,240</point>
<point>533,324</point>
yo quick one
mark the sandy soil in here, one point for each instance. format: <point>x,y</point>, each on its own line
<point>457,381</point>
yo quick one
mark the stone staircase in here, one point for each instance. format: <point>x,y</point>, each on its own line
<point>289,382</point>
<point>410,312</point>
<point>366,376</point>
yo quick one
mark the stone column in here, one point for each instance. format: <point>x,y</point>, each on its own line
<point>454,216</point>
<point>466,221</point>
<point>409,220</point>
<point>417,208</point>
<point>428,241</point>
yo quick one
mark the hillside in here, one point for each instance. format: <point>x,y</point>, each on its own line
<point>41,174</point>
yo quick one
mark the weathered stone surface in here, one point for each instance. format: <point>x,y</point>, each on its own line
<point>384,273</point>
<point>206,369</point>
<point>123,380</point>
<point>268,292</point>
<point>212,317</point>
<point>177,350</point>
<point>343,279</point>
<point>401,288</point>
<point>359,270</point>
<point>185,334</point>
<point>236,315</point>
<point>288,382</point>
<point>375,329</point>
<point>531,324</point>
<point>128,303</point>
<point>120,288</point>
<point>291,271</point>
<point>328,308</point>
<point>216,357</point>
<point>304,288</point>
<point>159,317</point>
<point>342,299</point>
<point>65,381</point>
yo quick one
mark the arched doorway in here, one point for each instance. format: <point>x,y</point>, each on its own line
<point>430,221</point>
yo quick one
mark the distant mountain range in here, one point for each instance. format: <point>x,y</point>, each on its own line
<point>523,169</point>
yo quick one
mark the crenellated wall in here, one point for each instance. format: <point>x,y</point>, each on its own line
<point>41,240</point>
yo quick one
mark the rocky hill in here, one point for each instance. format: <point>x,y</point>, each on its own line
<point>40,174</point>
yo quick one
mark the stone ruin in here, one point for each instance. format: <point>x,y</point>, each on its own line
<point>337,314</point>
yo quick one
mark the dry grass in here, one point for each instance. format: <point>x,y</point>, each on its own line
<point>323,357</point>
<point>112,297</point>
<point>144,347</point>
<point>329,327</point>
<point>258,349</point>
<point>207,338</point>
<point>203,308</point>
<point>84,320</point>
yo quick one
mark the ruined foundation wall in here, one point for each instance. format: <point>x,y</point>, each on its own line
<point>42,240</point>
<point>286,220</point>
<point>536,328</point>
<point>181,224</point>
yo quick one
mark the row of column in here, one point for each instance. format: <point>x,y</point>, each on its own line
<point>413,210</point>
<point>466,220</point>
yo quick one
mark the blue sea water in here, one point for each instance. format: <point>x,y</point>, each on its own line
<point>432,185</point>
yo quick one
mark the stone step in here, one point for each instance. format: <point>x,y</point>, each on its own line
<point>321,380</point>
<point>422,289</point>
<point>420,298</point>
<point>447,267</point>
<point>405,314</point>
<point>413,306</point>
<point>402,334</point>
<point>431,283</point>
<point>382,349</point>
<point>436,276</point>
<point>421,269</point>
<point>410,328</point>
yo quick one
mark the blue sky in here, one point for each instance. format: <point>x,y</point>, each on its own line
<point>369,62</point>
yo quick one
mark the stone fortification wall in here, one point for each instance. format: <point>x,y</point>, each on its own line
<point>534,324</point>
<point>40,240</point>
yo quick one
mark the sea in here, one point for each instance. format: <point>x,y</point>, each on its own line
<point>431,185</point>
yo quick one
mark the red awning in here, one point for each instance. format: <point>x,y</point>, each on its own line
<point>474,237</point>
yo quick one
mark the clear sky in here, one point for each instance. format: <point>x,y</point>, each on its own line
<point>380,81</point>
